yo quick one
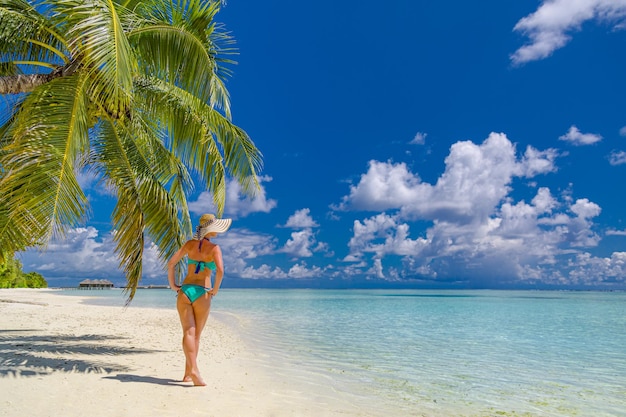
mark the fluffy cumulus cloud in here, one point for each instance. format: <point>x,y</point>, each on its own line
<point>302,270</point>
<point>551,25</point>
<point>244,251</point>
<point>86,254</point>
<point>576,137</point>
<point>476,179</point>
<point>587,269</point>
<point>241,244</point>
<point>237,203</point>
<point>301,219</point>
<point>302,243</point>
<point>383,235</point>
<point>475,231</point>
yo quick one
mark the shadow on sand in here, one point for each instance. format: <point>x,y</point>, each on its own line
<point>147,380</point>
<point>26,353</point>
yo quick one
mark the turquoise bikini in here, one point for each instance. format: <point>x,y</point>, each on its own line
<point>200,265</point>
<point>193,291</point>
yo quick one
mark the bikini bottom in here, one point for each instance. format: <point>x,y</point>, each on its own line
<point>193,292</point>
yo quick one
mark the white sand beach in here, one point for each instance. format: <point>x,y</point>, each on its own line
<point>59,357</point>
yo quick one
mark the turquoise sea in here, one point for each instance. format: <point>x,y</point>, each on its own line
<point>435,352</point>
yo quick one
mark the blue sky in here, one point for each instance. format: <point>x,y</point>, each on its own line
<point>414,144</point>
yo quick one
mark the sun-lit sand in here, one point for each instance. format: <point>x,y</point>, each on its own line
<point>59,357</point>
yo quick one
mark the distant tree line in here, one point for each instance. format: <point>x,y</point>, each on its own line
<point>12,276</point>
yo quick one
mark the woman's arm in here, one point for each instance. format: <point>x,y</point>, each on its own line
<point>219,270</point>
<point>171,266</point>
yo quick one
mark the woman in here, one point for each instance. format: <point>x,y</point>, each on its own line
<point>194,295</point>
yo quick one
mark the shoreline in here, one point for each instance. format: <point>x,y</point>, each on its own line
<point>61,356</point>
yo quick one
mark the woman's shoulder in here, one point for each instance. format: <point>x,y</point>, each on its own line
<point>190,243</point>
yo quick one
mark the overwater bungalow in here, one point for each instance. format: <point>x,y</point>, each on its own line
<point>95,284</point>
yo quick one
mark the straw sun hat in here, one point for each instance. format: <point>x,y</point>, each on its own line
<point>208,224</point>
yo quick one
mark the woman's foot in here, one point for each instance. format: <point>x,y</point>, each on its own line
<point>197,380</point>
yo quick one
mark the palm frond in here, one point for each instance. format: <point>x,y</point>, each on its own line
<point>108,156</point>
<point>178,44</point>
<point>28,35</point>
<point>135,164</point>
<point>201,137</point>
<point>160,167</point>
<point>180,187</point>
<point>39,182</point>
<point>97,36</point>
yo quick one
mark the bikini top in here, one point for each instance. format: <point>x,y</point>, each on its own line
<point>200,265</point>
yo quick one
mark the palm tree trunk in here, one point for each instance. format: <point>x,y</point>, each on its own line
<point>16,84</point>
<point>25,83</point>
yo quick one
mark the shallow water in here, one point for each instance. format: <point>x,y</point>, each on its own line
<point>436,353</point>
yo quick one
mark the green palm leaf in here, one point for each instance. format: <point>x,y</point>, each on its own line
<point>39,183</point>
<point>28,36</point>
<point>131,90</point>
<point>205,140</point>
<point>97,37</point>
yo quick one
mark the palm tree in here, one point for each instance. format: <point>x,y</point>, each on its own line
<point>131,91</point>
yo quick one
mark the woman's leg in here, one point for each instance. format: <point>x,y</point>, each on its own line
<point>201,309</point>
<point>193,319</point>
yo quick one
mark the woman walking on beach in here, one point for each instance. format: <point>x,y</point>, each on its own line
<point>194,295</point>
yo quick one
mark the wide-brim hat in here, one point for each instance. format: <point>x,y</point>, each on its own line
<point>210,224</point>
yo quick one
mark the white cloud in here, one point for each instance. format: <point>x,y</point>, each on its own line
<point>622,131</point>
<point>579,233</point>
<point>300,244</point>
<point>550,26</point>
<point>241,247</point>
<point>519,242</point>
<point>537,162</point>
<point>476,179</point>
<point>86,180</point>
<point>301,270</point>
<point>589,270</point>
<point>477,232</point>
<point>297,271</point>
<point>419,139</point>
<point>613,232</point>
<point>263,272</point>
<point>585,209</point>
<point>576,137</point>
<point>237,204</point>
<point>301,219</point>
<point>543,201</point>
<point>86,254</point>
<point>376,269</point>
<point>303,243</point>
<point>241,244</point>
<point>382,235</point>
<point>617,158</point>
<point>384,186</point>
